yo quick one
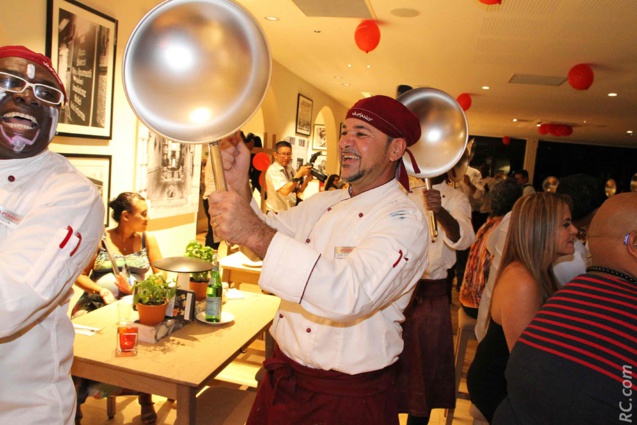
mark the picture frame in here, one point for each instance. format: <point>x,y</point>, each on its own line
<point>319,138</point>
<point>98,170</point>
<point>168,173</point>
<point>304,115</point>
<point>341,128</point>
<point>81,43</point>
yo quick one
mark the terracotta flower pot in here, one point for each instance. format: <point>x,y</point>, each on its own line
<point>151,314</point>
<point>199,288</point>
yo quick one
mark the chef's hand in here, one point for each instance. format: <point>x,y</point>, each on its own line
<point>432,200</point>
<point>236,164</point>
<point>233,220</point>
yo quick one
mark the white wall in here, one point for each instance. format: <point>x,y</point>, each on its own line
<point>23,22</point>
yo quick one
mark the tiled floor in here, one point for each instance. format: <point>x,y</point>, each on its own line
<point>240,374</point>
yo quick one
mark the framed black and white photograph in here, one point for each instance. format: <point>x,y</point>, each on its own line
<point>341,129</point>
<point>319,138</point>
<point>98,170</point>
<point>81,43</point>
<point>168,173</point>
<point>304,115</point>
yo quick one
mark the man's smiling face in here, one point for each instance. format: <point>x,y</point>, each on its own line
<point>27,124</point>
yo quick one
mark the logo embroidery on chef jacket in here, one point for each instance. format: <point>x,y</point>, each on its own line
<point>341,252</point>
<point>9,218</point>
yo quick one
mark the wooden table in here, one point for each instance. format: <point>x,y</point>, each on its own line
<point>234,269</point>
<point>181,364</point>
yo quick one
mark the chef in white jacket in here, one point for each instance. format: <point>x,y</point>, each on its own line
<point>51,220</point>
<point>345,264</point>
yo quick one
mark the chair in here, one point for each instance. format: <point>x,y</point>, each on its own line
<point>220,405</point>
<point>465,333</point>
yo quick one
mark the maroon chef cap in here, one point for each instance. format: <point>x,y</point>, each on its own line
<point>392,118</point>
<point>23,52</point>
<point>389,116</point>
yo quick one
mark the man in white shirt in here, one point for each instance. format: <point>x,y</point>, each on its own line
<point>471,186</point>
<point>283,184</point>
<point>426,370</point>
<point>522,176</point>
<point>344,263</point>
<point>51,220</point>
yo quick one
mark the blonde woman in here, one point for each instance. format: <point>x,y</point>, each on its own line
<point>540,232</point>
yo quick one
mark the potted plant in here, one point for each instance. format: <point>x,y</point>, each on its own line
<point>199,281</point>
<point>151,296</point>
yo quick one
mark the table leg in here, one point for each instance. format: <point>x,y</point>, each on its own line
<point>186,406</point>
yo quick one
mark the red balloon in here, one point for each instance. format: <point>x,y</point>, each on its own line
<point>464,100</point>
<point>581,77</point>
<point>506,140</point>
<point>489,2</point>
<point>543,129</point>
<point>367,35</point>
<point>261,161</point>
<point>559,130</point>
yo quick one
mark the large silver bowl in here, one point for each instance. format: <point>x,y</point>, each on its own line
<point>195,71</point>
<point>444,132</point>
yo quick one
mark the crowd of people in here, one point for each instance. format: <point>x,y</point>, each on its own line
<point>363,331</point>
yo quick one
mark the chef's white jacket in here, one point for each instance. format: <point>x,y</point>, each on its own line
<point>345,268</point>
<point>51,221</point>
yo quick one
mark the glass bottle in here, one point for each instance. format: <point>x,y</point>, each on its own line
<point>213,294</point>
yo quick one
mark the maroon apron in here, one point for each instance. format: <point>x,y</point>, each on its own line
<point>293,394</point>
<point>426,374</point>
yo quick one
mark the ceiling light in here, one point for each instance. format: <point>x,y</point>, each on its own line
<point>630,133</point>
<point>612,94</point>
<point>515,120</point>
<point>349,65</point>
<point>338,77</point>
<point>346,84</point>
<point>405,13</point>
<point>367,94</point>
<point>271,18</point>
<point>485,87</point>
<point>369,67</point>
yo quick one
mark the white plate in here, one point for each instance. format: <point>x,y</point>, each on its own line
<point>226,317</point>
<point>255,264</point>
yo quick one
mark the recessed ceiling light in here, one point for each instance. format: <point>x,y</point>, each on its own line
<point>369,67</point>
<point>515,120</point>
<point>630,132</point>
<point>612,94</point>
<point>485,87</point>
<point>271,18</point>
<point>338,77</point>
<point>346,84</point>
<point>367,94</point>
<point>349,65</point>
<point>405,13</point>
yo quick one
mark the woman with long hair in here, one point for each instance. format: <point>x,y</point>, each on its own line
<point>540,232</point>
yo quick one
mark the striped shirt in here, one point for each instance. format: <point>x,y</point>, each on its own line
<point>576,362</point>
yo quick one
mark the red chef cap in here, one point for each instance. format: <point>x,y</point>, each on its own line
<point>23,52</point>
